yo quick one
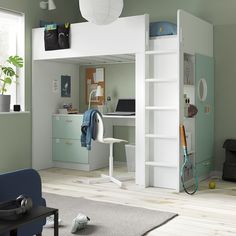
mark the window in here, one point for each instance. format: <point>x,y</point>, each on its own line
<point>12,43</point>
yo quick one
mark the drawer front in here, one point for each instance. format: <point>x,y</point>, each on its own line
<point>67,127</point>
<point>204,168</point>
<point>69,150</point>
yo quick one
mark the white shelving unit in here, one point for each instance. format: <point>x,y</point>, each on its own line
<point>165,87</point>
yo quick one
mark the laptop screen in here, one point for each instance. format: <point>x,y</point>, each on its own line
<point>126,105</point>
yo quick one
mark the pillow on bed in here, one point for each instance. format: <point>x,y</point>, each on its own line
<point>162,28</point>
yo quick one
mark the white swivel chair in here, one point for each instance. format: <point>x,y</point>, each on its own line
<point>110,141</point>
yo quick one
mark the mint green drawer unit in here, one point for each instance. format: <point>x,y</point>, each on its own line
<point>69,150</point>
<point>204,168</point>
<point>67,127</point>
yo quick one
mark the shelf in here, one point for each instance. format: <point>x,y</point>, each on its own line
<point>157,136</point>
<point>158,108</point>
<point>189,118</point>
<point>189,85</point>
<point>161,52</point>
<point>154,80</point>
<point>160,164</point>
<point>15,113</point>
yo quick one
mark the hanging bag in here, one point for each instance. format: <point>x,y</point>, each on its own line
<point>64,36</point>
<point>57,36</point>
<point>51,37</point>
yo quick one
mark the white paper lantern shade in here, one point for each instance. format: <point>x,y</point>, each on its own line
<point>101,12</point>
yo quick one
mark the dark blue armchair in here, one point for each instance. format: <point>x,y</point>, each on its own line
<point>26,182</point>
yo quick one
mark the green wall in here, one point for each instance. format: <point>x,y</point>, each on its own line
<point>15,141</point>
<point>119,83</point>
<point>219,12</point>
<point>15,135</point>
<point>225,89</point>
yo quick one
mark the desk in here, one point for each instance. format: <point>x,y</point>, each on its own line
<point>66,148</point>
<point>120,120</point>
<point>35,214</point>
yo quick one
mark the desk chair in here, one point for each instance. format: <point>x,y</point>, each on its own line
<point>110,141</point>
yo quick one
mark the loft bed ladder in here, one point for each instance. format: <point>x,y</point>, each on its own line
<point>161,117</point>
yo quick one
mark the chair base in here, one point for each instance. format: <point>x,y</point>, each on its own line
<point>105,179</point>
<point>108,178</point>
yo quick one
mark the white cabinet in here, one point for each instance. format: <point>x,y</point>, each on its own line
<point>66,147</point>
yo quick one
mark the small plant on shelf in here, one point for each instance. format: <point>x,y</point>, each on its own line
<point>8,75</point>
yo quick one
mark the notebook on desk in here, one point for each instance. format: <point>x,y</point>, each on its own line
<point>125,107</point>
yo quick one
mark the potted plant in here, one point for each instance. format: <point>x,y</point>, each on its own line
<point>7,76</point>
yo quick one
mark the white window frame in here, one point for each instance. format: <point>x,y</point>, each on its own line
<point>20,51</point>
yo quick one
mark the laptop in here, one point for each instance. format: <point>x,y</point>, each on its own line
<point>125,107</point>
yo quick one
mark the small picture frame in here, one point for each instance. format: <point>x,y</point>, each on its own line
<point>66,86</point>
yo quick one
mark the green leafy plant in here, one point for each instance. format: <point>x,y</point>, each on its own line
<point>8,72</point>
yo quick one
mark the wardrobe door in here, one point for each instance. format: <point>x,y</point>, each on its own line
<point>205,118</point>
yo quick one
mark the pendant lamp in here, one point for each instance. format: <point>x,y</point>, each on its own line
<point>101,12</point>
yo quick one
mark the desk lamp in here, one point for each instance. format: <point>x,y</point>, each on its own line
<point>99,93</point>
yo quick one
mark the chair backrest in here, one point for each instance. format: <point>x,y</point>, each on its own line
<point>100,128</point>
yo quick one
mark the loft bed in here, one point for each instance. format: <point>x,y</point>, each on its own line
<point>159,86</point>
<point>124,36</point>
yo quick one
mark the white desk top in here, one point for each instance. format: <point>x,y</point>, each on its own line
<point>123,117</point>
<point>104,116</point>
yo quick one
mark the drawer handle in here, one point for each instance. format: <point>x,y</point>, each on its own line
<point>68,143</point>
<point>69,121</point>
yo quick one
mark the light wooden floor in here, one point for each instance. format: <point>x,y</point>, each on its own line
<point>209,212</point>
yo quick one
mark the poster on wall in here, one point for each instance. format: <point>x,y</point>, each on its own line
<point>93,78</point>
<point>65,86</point>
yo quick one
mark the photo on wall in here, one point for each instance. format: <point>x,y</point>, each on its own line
<point>65,86</point>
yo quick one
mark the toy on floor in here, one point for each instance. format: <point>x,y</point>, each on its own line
<point>212,184</point>
<point>79,222</point>
<point>50,222</point>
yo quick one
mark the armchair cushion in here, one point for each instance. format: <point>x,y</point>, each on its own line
<point>28,183</point>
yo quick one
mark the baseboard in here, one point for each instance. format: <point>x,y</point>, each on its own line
<point>72,166</point>
<point>216,174</point>
<point>120,163</point>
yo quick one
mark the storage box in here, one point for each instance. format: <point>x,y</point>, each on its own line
<point>130,157</point>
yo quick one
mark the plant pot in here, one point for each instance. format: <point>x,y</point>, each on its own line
<point>5,101</point>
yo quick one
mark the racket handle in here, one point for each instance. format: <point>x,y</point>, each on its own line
<point>183,136</point>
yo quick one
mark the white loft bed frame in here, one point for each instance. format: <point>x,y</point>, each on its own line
<point>159,62</point>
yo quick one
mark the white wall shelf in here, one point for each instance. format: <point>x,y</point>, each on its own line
<point>154,80</point>
<point>161,52</point>
<point>157,108</point>
<point>157,136</point>
<point>14,113</point>
<point>160,164</point>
